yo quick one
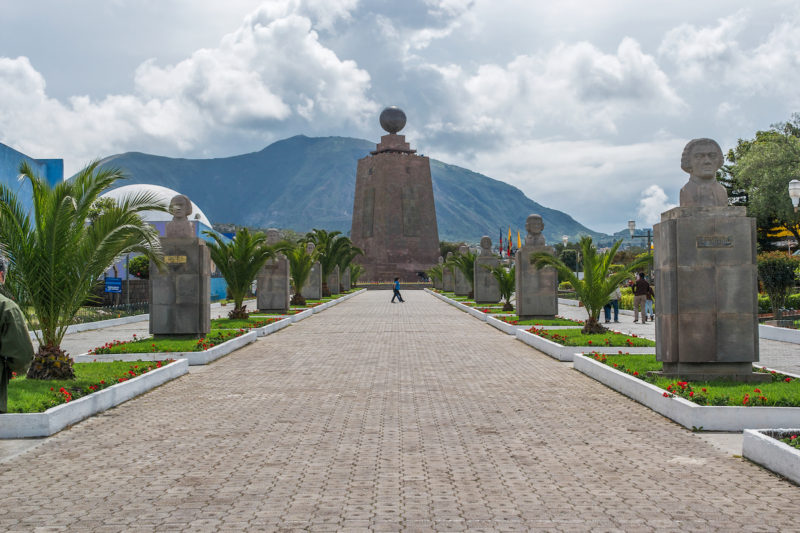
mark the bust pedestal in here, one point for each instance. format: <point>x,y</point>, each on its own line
<point>312,290</point>
<point>537,289</point>
<point>487,289</point>
<point>180,297</point>
<point>272,286</point>
<point>706,294</point>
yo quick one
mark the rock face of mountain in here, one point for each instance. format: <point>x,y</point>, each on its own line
<point>303,183</point>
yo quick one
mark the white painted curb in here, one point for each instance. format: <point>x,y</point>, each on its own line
<point>566,353</point>
<point>772,454</point>
<point>194,358</point>
<point>774,333</point>
<point>297,317</point>
<point>22,425</point>
<point>684,412</point>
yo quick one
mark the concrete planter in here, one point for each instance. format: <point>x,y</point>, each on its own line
<point>23,425</point>
<point>302,315</point>
<point>774,333</point>
<point>566,353</point>
<point>272,327</point>
<point>194,358</point>
<point>759,446</point>
<point>684,412</point>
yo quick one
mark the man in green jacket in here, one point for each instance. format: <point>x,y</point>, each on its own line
<point>16,350</point>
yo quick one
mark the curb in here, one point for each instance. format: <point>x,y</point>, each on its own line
<point>759,446</point>
<point>194,358</point>
<point>684,412</point>
<point>774,333</point>
<point>22,425</point>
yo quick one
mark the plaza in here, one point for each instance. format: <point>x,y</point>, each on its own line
<point>372,416</point>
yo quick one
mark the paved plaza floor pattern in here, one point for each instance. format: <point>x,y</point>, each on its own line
<point>385,417</point>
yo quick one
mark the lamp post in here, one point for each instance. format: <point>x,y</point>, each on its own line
<point>794,194</point>
<point>632,230</point>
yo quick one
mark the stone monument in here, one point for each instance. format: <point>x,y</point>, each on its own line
<point>272,282</point>
<point>437,282</point>
<point>706,278</point>
<point>346,280</point>
<point>487,289</point>
<point>537,289</point>
<point>394,218</point>
<point>180,297</point>
<point>333,281</point>
<point>462,285</point>
<point>312,290</point>
<point>448,283</point>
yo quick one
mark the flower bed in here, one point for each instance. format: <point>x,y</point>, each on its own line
<point>54,419</point>
<point>687,413</point>
<point>566,353</point>
<point>263,326</point>
<point>549,322</point>
<point>574,337</point>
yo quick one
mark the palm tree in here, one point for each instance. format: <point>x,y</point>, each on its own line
<point>300,264</point>
<point>436,272</point>
<point>355,272</point>
<point>332,249</point>
<point>347,256</point>
<point>505,279</point>
<point>466,264</point>
<point>58,252</point>
<point>598,281</point>
<point>239,262</point>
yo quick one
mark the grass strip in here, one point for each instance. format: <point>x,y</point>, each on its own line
<point>514,319</point>
<point>168,344</point>
<point>783,391</point>
<point>36,396</point>
<point>574,337</point>
<point>241,323</point>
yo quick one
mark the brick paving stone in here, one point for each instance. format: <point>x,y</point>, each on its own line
<point>380,417</point>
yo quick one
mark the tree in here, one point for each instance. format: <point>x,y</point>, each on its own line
<point>300,264</point>
<point>466,264</point>
<point>436,272</point>
<point>445,247</point>
<point>506,280</point>
<point>598,281</point>
<point>139,266</point>
<point>239,262</point>
<point>57,253</point>
<point>347,256</point>
<point>777,273</point>
<point>761,170</point>
<point>332,249</point>
<point>355,272</point>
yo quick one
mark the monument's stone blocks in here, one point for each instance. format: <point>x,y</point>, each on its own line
<point>536,289</point>
<point>394,217</point>
<point>312,290</point>
<point>333,281</point>
<point>346,285</point>
<point>707,283</point>
<point>706,278</point>
<point>272,283</point>
<point>487,289</point>
<point>438,282</point>
<point>180,297</point>
<point>462,285</point>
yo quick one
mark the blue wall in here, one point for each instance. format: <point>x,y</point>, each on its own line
<point>50,169</point>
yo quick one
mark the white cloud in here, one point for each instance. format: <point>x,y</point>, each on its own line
<point>654,201</point>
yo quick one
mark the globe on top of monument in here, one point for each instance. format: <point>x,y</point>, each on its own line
<point>393,119</point>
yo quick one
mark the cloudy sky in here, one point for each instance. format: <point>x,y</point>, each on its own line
<point>583,105</point>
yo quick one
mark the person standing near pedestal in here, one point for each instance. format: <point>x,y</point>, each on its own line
<point>640,291</point>
<point>706,274</point>
<point>16,349</point>
<point>537,289</point>
<point>180,296</point>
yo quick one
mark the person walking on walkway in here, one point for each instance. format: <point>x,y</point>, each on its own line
<point>640,290</point>
<point>649,304</point>
<point>16,350</point>
<point>397,290</point>
<point>613,301</point>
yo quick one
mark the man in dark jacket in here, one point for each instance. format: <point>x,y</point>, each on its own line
<point>16,350</point>
<point>640,291</point>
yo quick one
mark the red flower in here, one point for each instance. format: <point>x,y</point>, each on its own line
<point>757,390</point>
<point>666,395</point>
<point>788,380</point>
<point>691,393</point>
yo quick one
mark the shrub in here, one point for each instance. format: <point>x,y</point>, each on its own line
<point>565,286</point>
<point>139,266</point>
<point>776,271</point>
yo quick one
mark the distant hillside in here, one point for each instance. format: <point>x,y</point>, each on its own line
<point>303,183</point>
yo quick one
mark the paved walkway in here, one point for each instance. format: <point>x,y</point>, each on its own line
<point>379,416</point>
<point>783,356</point>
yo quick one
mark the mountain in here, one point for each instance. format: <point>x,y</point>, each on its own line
<point>303,183</point>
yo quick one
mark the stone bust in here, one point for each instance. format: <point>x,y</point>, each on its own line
<point>180,227</point>
<point>310,248</point>
<point>441,259</point>
<point>463,249</point>
<point>534,225</point>
<point>273,236</point>
<point>486,246</point>
<point>701,159</point>
<point>449,255</point>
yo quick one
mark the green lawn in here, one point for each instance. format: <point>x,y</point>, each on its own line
<point>783,391</point>
<point>241,323</point>
<point>174,344</point>
<point>36,396</point>
<point>514,319</point>
<point>574,337</point>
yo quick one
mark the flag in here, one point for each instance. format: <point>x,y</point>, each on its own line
<point>500,246</point>
<point>509,241</point>
<point>519,241</point>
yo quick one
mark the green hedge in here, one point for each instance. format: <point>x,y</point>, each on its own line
<point>792,302</point>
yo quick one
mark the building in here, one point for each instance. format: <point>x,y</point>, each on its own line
<point>50,169</point>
